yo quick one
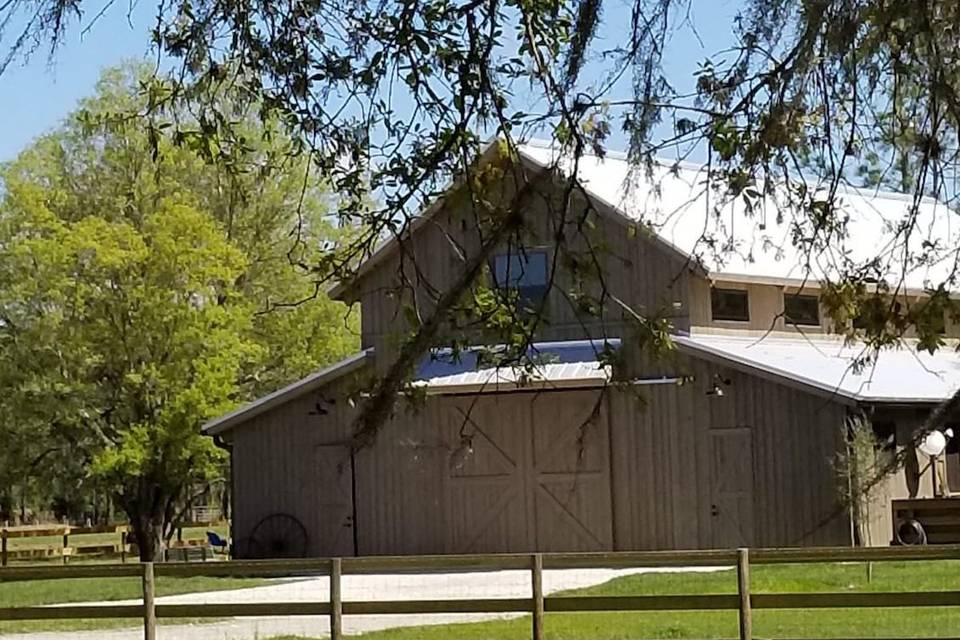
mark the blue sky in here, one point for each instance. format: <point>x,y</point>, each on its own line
<point>35,97</point>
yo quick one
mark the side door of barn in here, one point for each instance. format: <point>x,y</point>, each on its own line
<point>528,471</point>
<point>334,500</point>
<point>732,479</point>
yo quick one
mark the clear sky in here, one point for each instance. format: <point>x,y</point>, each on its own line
<point>35,97</point>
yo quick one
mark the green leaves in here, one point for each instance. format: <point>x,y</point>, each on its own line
<point>143,293</point>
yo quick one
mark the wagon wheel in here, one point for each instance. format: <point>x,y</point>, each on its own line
<point>246,549</point>
<point>280,535</point>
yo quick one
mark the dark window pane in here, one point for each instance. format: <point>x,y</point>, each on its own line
<point>940,324</point>
<point>886,433</point>
<point>874,313</point>
<point>729,304</point>
<point>953,443</point>
<point>523,272</point>
<point>802,310</point>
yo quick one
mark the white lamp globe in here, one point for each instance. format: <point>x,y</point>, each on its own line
<point>933,443</point>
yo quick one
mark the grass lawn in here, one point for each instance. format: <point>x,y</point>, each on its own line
<point>41,592</point>
<point>823,623</point>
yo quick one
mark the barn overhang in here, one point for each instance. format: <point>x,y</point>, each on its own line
<point>849,373</point>
<point>543,365</point>
<point>297,389</point>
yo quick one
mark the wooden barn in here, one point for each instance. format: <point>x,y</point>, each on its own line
<point>731,440</point>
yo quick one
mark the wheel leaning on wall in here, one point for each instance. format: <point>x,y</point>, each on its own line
<point>911,533</point>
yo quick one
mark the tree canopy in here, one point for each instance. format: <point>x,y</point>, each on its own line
<point>395,98</point>
<point>143,291</point>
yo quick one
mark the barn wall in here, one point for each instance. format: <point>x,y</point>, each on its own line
<point>766,306</point>
<point>653,467</point>
<point>642,272</point>
<point>915,479</point>
<point>292,460</point>
<point>750,467</point>
<point>537,476</point>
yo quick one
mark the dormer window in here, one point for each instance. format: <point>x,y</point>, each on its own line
<point>730,304</point>
<point>524,272</point>
<point>801,310</point>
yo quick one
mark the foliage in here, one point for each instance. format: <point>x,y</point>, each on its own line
<point>144,291</point>
<point>860,467</point>
<point>394,99</point>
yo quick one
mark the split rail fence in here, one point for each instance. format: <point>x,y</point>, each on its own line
<point>744,601</point>
<point>66,550</point>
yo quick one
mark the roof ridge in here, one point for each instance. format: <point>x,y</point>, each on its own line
<point>688,165</point>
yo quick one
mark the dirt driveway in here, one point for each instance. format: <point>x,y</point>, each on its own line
<point>495,584</point>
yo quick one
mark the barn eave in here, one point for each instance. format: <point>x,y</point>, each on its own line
<point>299,388</point>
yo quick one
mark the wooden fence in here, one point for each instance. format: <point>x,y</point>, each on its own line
<point>744,602</point>
<point>66,550</point>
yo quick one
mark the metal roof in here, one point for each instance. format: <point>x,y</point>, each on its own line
<point>300,387</point>
<point>697,218</point>
<point>827,364</point>
<point>446,362</point>
<point>545,376</point>
<point>558,364</point>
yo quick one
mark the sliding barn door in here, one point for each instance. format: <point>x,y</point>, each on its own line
<point>528,471</point>
<point>486,459</point>
<point>569,474</point>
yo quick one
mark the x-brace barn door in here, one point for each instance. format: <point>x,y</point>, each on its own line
<point>528,471</point>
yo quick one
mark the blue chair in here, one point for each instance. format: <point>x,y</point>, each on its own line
<point>216,541</point>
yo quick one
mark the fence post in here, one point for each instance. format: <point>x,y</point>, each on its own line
<point>66,543</point>
<point>336,601</point>
<point>536,575</point>
<point>743,590</point>
<point>149,609</point>
<point>3,550</point>
<point>123,546</point>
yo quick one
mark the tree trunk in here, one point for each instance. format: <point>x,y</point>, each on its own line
<point>148,532</point>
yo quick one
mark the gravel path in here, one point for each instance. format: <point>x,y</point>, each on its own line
<point>495,584</point>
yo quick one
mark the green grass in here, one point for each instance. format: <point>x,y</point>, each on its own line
<point>42,592</point>
<point>823,623</point>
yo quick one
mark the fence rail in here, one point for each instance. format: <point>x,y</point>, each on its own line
<point>743,602</point>
<point>65,550</point>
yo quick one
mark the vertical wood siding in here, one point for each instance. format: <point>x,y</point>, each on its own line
<point>291,460</point>
<point>641,272</point>
<point>908,422</point>
<point>666,471</point>
<point>657,467</point>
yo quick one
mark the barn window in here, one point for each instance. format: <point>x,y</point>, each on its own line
<point>953,443</point>
<point>524,272</point>
<point>885,431</point>
<point>802,310</point>
<point>730,304</point>
<point>875,313</point>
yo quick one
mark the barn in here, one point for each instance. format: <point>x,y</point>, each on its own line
<point>731,440</point>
